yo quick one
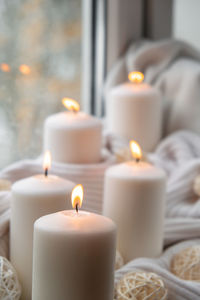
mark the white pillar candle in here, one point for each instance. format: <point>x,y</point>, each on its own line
<point>134,199</point>
<point>74,255</point>
<point>134,111</point>
<point>73,136</point>
<point>32,198</point>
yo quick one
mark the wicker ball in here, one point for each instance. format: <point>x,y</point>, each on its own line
<point>119,262</point>
<point>186,264</point>
<point>141,286</point>
<point>196,185</point>
<point>9,285</point>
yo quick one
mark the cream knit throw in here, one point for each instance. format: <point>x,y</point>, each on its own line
<point>179,155</point>
<point>91,176</point>
<point>174,68</point>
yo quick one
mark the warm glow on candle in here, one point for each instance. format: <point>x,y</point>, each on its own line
<point>71,104</point>
<point>136,77</point>
<point>136,150</point>
<point>47,162</point>
<point>24,69</point>
<point>5,67</point>
<point>77,196</point>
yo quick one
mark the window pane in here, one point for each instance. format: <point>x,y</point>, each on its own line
<point>40,48</point>
<point>186,21</point>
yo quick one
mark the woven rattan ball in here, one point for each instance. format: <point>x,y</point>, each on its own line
<point>9,285</point>
<point>119,262</point>
<point>141,286</point>
<point>186,264</point>
<point>196,185</point>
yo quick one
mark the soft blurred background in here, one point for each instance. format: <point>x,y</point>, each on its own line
<point>186,21</point>
<point>40,55</point>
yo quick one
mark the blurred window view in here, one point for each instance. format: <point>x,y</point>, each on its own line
<point>40,53</point>
<point>186,21</point>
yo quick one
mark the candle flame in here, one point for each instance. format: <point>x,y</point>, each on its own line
<point>136,77</point>
<point>71,104</point>
<point>5,67</point>
<point>47,161</point>
<point>24,69</point>
<point>77,196</point>
<point>135,150</point>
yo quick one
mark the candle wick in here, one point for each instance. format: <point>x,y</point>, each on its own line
<point>137,160</point>
<point>77,207</point>
<point>46,172</point>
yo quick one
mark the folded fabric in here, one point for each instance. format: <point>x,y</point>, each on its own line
<point>179,155</point>
<point>178,289</point>
<point>174,68</point>
<point>179,229</point>
<point>91,176</point>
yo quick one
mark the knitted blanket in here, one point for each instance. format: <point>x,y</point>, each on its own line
<point>178,155</point>
<point>173,67</point>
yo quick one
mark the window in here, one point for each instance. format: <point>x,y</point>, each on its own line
<point>40,55</point>
<point>186,21</point>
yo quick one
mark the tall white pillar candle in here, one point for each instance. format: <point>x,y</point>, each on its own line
<point>73,136</point>
<point>134,111</point>
<point>32,198</point>
<point>134,199</point>
<point>74,254</point>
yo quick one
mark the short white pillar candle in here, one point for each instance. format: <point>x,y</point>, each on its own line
<point>74,255</point>
<point>32,198</point>
<point>134,110</point>
<point>134,200</point>
<point>73,136</point>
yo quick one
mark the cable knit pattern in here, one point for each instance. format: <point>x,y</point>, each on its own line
<point>173,67</point>
<point>179,156</point>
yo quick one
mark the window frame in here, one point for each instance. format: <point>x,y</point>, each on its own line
<point>109,26</point>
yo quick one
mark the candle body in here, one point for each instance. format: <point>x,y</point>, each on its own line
<point>32,198</point>
<point>134,199</point>
<point>73,257</point>
<point>73,137</point>
<point>134,112</point>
